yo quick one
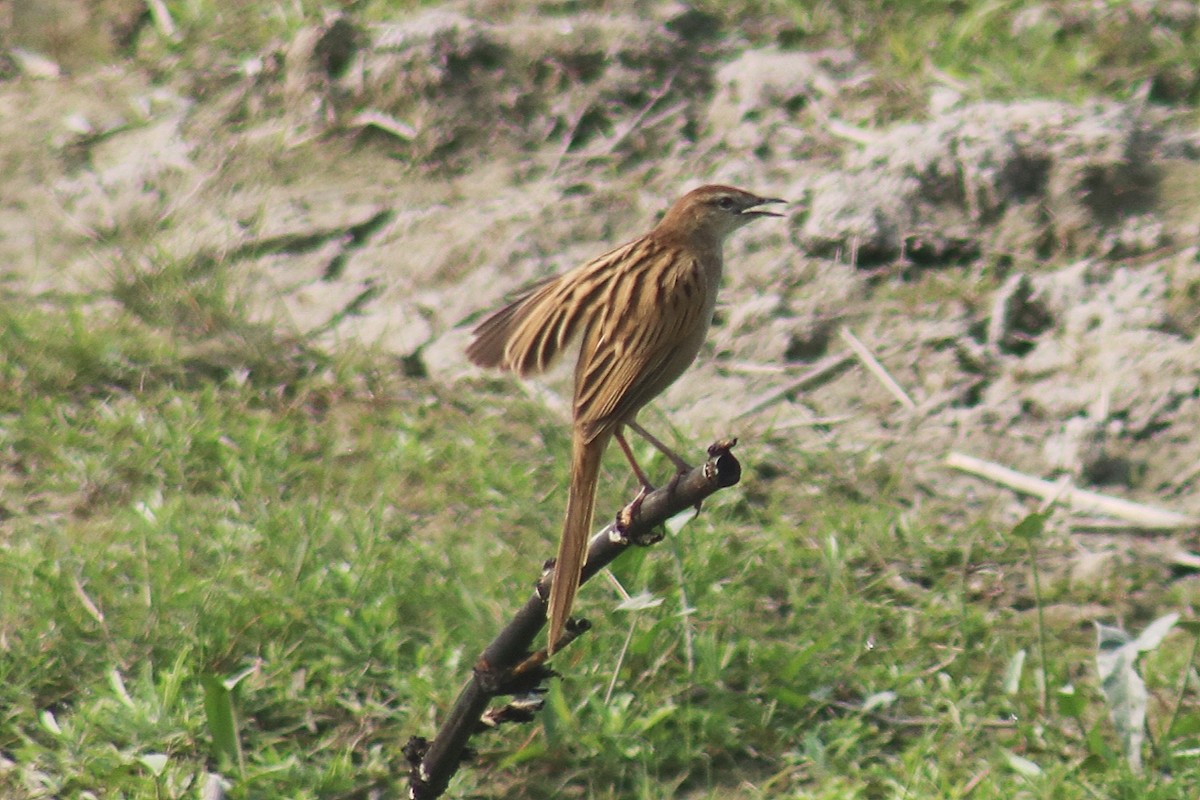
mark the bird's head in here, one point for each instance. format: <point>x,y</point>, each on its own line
<point>715,211</point>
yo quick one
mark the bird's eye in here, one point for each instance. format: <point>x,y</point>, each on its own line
<point>725,203</point>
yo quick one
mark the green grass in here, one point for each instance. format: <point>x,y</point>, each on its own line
<point>326,547</point>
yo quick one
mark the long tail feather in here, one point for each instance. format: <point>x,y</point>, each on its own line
<point>581,503</point>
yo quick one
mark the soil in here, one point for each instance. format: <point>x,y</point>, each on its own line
<point>1027,273</point>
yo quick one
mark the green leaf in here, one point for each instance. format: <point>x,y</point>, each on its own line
<point>640,602</point>
<point>1070,702</point>
<point>556,717</point>
<point>222,725</point>
<point>49,722</point>
<point>155,762</point>
<point>232,681</point>
<point>118,686</point>
<point>879,700</point>
<point>532,751</point>
<point>1154,633</point>
<point>648,721</point>
<point>1185,725</point>
<point>791,697</point>
<point>1022,765</point>
<point>1032,526</point>
<point>1098,747</point>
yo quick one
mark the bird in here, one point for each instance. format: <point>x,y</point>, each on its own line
<point>641,312</point>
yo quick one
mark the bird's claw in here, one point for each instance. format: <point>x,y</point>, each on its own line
<point>627,515</point>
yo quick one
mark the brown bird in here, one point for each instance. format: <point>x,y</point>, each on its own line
<point>643,311</point>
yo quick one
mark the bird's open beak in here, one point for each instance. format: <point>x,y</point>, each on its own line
<point>758,212</point>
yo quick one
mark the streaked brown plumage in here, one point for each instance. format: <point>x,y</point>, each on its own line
<point>642,311</point>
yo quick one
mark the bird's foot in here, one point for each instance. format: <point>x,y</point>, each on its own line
<point>627,515</point>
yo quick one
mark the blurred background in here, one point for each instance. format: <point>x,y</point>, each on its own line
<point>258,514</point>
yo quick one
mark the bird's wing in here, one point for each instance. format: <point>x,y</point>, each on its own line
<point>643,339</point>
<point>528,334</point>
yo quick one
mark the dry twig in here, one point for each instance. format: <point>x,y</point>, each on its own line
<point>824,369</point>
<point>1079,500</point>
<point>875,368</point>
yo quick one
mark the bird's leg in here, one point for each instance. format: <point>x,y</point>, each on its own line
<point>682,467</point>
<point>676,459</point>
<point>625,518</point>
<point>638,472</point>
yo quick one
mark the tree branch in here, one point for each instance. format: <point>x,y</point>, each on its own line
<point>508,667</point>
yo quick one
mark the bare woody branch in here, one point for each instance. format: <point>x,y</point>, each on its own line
<point>508,666</point>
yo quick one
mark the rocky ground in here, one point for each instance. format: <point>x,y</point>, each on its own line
<point>1027,273</point>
